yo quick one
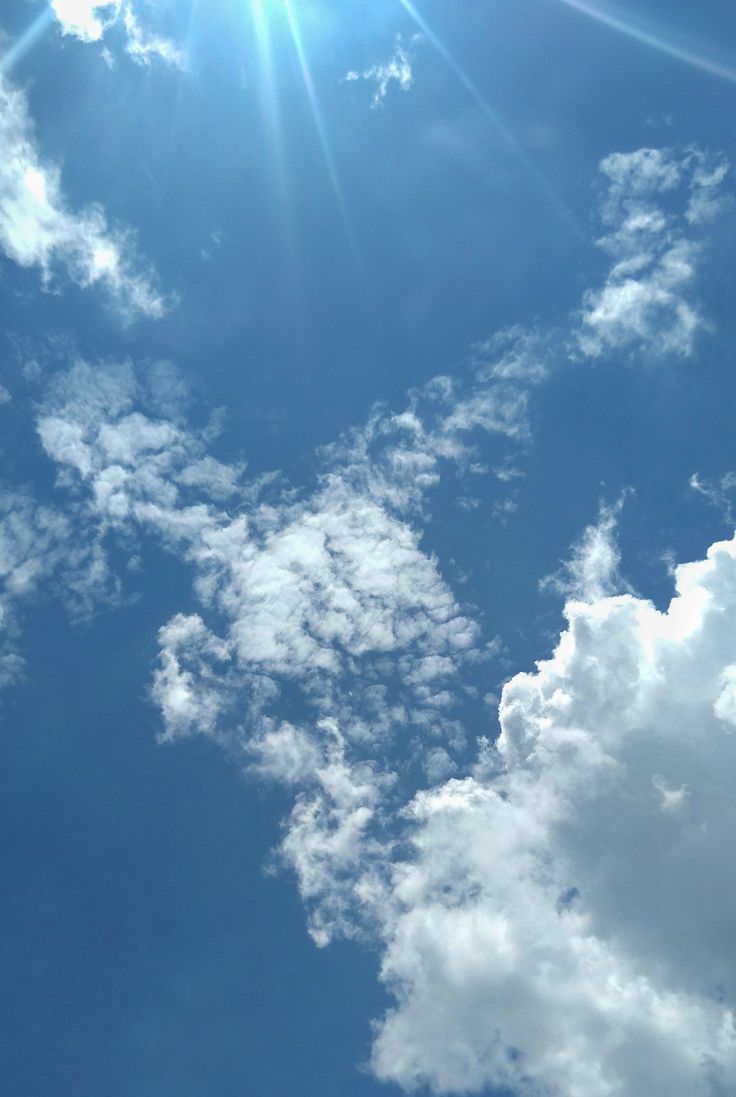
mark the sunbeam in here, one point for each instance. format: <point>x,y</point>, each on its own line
<point>273,130</point>
<point>319,122</point>
<point>269,96</point>
<point>28,39</point>
<point>511,142</point>
<point>466,82</point>
<point>647,38</point>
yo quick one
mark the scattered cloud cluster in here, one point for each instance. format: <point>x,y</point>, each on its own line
<point>397,70</point>
<point>89,21</point>
<point>321,602</point>
<point>38,229</point>
<point>554,910</point>
<point>655,203</point>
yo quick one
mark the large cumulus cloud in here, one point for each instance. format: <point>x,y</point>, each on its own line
<point>565,924</point>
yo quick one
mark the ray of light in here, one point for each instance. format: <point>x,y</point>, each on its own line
<point>319,122</point>
<point>647,38</point>
<point>269,95</point>
<point>182,83</point>
<point>511,142</point>
<point>271,112</point>
<point>465,80</point>
<point>28,39</point>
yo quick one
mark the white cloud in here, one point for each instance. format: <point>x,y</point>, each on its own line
<point>719,494</point>
<point>41,553</point>
<point>37,229</point>
<point>189,701</point>
<point>320,608</point>
<point>144,44</point>
<point>397,70</point>
<point>329,842</point>
<point>592,572</point>
<point>655,199</point>
<point>89,20</point>
<point>86,19</point>
<point>565,922</point>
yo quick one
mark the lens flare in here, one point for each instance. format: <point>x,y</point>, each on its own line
<point>28,39</point>
<point>319,122</point>
<point>269,97</point>
<point>507,136</point>
<point>654,41</point>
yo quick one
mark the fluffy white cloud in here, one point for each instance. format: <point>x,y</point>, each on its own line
<point>397,70</point>
<point>89,20</point>
<point>189,700</point>
<point>37,229</point>
<point>86,19</point>
<point>565,923</point>
<point>655,200</point>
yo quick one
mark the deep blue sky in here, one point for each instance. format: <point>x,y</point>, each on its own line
<point>145,950</point>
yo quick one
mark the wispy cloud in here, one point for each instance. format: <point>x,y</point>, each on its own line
<point>38,229</point>
<point>396,70</point>
<point>720,493</point>
<point>592,571</point>
<point>42,554</point>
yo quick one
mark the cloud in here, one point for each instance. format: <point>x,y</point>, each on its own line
<point>655,199</point>
<point>719,494</point>
<point>321,612</point>
<point>564,922</point>
<point>144,44</point>
<point>40,554</point>
<point>37,229</point>
<point>86,19</point>
<point>554,913</point>
<point>89,21</point>
<point>397,70</point>
<point>592,572</point>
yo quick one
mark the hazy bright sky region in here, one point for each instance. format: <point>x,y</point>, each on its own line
<point>367,572</point>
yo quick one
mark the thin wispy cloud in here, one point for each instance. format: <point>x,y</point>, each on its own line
<point>593,570</point>
<point>42,557</point>
<point>396,70</point>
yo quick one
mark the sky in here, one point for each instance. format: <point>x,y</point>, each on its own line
<point>367,558</point>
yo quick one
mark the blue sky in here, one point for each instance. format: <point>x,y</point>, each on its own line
<point>367,597</point>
